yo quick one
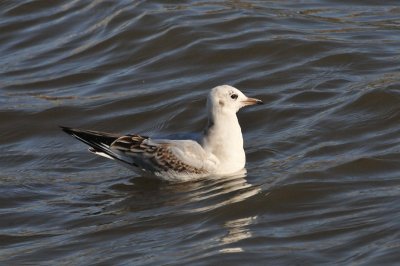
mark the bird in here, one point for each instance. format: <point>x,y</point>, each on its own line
<point>220,152</point>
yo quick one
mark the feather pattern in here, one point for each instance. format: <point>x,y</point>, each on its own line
<point>159,155</point>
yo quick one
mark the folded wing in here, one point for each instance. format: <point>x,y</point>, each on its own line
<point>180,156</point>
<point>155,156</point>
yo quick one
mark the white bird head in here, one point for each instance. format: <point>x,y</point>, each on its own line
<point>227,99</point>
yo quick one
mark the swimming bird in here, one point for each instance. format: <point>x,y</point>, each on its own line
<point>220,152</point>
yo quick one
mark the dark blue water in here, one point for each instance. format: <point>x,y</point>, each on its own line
<point>323,153</point>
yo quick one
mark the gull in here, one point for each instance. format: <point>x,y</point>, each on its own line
<point>219,153</point>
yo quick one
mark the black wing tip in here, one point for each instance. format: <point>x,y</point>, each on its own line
<point>67,130</point>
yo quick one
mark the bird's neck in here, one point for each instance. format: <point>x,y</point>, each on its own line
<point>223,138</point>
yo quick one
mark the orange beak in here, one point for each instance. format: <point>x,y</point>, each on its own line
<point>252,101</point>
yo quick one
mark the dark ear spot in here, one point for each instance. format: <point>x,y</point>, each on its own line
<point>221,103</point>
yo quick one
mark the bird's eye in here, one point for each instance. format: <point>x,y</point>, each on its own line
<point>234,96</point>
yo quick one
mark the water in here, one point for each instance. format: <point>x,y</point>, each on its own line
<point>323,153</point>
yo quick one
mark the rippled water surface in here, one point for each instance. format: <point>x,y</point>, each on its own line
<point>323,153</point>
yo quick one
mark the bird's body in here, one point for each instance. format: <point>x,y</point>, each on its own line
<point>219,153</point>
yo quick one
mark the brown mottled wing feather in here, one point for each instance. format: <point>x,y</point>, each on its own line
<point>162,155</point>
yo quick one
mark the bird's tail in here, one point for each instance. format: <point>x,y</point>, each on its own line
<point>99,142</point>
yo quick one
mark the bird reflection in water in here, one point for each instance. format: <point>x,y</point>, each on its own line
<point>237,230</point>
<point>191,197</point>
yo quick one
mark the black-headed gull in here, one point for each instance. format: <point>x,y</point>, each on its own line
<point>219,153</point>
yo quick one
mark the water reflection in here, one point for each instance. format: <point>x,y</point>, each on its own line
<point>192,197</point>
<point>199,205</point>
<point>237,230</point>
